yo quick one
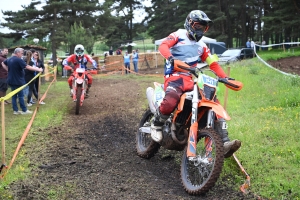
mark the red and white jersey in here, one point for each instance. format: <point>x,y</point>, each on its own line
<point>79,61</point>
<point>178,45</point>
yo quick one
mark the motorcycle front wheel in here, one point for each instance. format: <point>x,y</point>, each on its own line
<point>200,173</point>
<point>145,146</point>
<point>78,96</point>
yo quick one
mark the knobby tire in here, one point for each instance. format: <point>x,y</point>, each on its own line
<point>198,177</point>
<point>78,96</point>
<point>145,146</point>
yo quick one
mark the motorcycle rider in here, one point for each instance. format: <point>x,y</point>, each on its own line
<point>185,45</point>
<point>79,59</point>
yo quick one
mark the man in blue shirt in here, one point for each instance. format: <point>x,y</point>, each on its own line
<point>248,44</point>
<point>16,78</point>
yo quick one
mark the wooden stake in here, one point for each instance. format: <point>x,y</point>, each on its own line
<point>3,131</point>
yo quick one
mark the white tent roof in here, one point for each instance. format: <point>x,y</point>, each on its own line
<point>204,39</point>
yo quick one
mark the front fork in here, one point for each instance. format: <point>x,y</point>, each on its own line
<point>193,135</point>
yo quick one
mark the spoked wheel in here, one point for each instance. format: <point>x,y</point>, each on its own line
<point>146,147</point>
<point>78,96</point>
<point>200,173</point>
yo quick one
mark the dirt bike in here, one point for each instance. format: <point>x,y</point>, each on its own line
<point>79,86</point>
<point>192,128</point>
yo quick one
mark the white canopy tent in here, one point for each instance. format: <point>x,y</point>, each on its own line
<point>204,39</point>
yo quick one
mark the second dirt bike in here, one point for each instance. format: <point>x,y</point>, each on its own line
<point>79,87</point>
<point>192,128</point>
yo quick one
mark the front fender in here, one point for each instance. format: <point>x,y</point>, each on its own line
<point>217,108</point>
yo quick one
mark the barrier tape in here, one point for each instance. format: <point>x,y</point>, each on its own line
<point>270,66</point>
<point>22,140</point>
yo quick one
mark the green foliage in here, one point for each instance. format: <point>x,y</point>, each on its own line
<point>79,35</point>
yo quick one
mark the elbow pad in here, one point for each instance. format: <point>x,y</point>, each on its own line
<point>211,58</point>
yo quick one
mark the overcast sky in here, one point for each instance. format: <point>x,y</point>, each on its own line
<point>15,5</point>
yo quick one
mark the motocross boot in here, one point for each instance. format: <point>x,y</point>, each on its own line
<point>229,146</point>
<point>87,90</point>
<point>156,125</point>
<point>71,92</point>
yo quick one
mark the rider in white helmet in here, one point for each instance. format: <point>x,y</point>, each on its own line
<point>79,59</point>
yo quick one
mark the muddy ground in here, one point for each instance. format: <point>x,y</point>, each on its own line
<point>96,159</point>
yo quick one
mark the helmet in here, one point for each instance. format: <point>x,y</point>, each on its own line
<point>196,24</point>
<point>79,50</point>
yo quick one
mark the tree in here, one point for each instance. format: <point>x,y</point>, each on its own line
<point>79,35</point>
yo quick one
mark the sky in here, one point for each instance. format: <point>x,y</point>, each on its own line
<point>15,5</point>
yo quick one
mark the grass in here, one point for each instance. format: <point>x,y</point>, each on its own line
<point>276,54</point>
<point>265,117</point>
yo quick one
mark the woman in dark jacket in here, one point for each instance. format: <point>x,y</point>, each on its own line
<point>38,63</point>
<point>29,75</point>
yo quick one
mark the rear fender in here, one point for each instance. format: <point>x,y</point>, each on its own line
<point>217,108</point>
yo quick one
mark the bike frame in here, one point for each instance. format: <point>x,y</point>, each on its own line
<point>79,79</point>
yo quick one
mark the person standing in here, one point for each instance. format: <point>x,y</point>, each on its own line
<point>248,44</point>
<point>3,74</point>
<point>263,43</point>
<point>135,59</point>
<point>16,78</point>
<point>29,75</point>
<point>37,62</point>
<point>127,62</point>
<point>111,51</point>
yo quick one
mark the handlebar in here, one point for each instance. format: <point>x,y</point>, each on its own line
<point>229,82</point>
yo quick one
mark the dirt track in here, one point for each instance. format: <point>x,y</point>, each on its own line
<point>96,159</point>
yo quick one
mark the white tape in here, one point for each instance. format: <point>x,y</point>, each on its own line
<point>287,74</point>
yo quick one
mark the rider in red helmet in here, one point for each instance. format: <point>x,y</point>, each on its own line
<point>185,45</point>
<point>79,60</point>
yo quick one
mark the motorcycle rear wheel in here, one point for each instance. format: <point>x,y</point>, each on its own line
<point>145,146</point>
<point>78,96</point>
<point>200,174</point>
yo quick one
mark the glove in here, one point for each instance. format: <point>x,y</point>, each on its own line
<point>169,67</point>
<point>228,78</point>
<point>171,60</point>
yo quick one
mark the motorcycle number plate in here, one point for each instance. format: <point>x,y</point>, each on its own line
<point>212,82</point>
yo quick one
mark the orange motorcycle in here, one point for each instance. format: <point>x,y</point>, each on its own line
<point>192,128</point>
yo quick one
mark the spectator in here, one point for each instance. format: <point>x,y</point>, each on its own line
<point>37,62</point>
<point>119,52</point>
<point>16,78</point>
<point>3,74</point>
<point>29,75</point>
<point>252,45</point>
<point>92,54</point>
<point>263,43</point>
<point>111,52</point>
<point>248,44</point>
<point>287,46</point>
<point>135,59</point>
<point>127,62</point>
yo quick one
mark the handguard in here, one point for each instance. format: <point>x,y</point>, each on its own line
<point>180,65</point>
<point>234,85</point>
